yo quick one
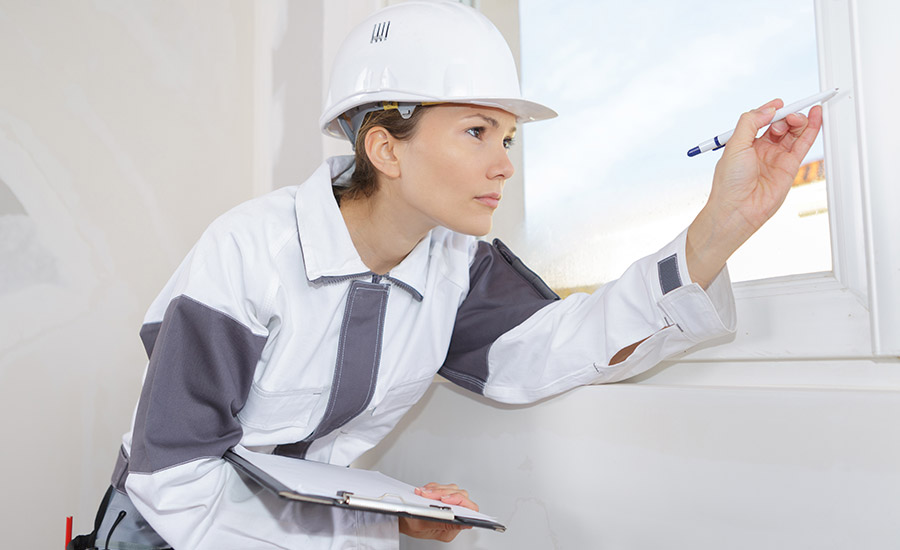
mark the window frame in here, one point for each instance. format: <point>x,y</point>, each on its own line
<point>831,315</point>
<point>835,314</point>
<point>826,314</point>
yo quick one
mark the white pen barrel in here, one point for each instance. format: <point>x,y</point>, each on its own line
<point>723,138</point>
<point>716,142</point>
<point>720,140</point>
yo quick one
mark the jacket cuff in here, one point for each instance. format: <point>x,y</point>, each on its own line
<point>701,315</point>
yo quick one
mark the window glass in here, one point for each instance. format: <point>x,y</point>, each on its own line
<point>637,84</point>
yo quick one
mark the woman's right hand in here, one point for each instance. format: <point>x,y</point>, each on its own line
<point>750,183</point>
<point>435,530</point>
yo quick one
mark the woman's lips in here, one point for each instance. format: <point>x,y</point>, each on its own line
<point>491,200</point>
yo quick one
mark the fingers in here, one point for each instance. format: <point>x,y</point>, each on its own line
<point>779,129</point>
<point>436,490</point>
<point>776,104</point>
<point>432,530</point>
<point>750,123</point>
<point>786,131</point>
<point>796,132</point>
<point>806,135</point>
<point>448,494</point>
<point>793,124</point>
<point>458,499</point>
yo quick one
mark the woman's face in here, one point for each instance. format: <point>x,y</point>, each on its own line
<point>453,169</point>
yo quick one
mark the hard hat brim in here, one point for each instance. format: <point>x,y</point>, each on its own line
<point>523,109</point>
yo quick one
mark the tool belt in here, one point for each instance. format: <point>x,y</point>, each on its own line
<point>119,526</point>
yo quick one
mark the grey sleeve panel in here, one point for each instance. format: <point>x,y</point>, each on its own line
<point>503,293</point>
<point>120,472</point>
<point>669,276</point>
<point>200,371</point>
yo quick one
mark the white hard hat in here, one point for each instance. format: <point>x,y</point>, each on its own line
<point>424,51</point>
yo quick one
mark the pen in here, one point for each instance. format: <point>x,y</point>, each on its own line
<point>720,140</point>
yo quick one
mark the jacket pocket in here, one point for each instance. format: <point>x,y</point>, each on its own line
<point>402,397</point>
<point>270,410</point>
<point>373,426</point>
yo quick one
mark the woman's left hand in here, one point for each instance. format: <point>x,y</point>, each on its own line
<point>434,530</point>
<point>750,183</point>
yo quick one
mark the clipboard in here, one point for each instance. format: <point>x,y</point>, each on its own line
<point>351,488</point>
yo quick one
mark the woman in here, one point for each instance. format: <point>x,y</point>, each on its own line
<point>307,321</point>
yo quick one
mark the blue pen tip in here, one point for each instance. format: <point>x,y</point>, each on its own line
<point>694,152</point>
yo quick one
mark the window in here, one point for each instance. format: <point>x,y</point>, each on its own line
<point>639,84</point>
<point>835,311</point>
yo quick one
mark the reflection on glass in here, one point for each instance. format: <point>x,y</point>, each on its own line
<point>637,84</point>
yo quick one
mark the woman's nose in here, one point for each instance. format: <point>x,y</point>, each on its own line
<point>502,167</point>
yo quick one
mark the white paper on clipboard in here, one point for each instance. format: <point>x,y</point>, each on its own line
<point>332,485</point>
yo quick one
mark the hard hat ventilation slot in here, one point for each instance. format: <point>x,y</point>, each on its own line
<point>380,32</point>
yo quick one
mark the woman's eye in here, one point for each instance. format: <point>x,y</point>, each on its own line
<point>476,132</point>
<point>509,142</point>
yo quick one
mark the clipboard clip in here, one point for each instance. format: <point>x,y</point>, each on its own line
<point>395,504</point>
<point>347,496</point>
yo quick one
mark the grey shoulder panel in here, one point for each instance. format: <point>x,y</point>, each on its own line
<point>503,293</point>
<point>149,333</point>
<point>519,267</point>
<point>201,367</point>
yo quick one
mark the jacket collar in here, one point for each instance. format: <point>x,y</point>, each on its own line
<point>328,252</point>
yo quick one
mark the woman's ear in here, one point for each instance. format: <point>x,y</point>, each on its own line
<point>380,150</point>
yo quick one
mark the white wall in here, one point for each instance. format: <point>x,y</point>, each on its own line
<point>641,467</point>
<point>125,128</point>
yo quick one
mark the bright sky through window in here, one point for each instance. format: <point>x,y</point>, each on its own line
<point>637,84</point>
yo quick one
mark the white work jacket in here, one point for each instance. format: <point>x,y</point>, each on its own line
<point>273,314</point>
